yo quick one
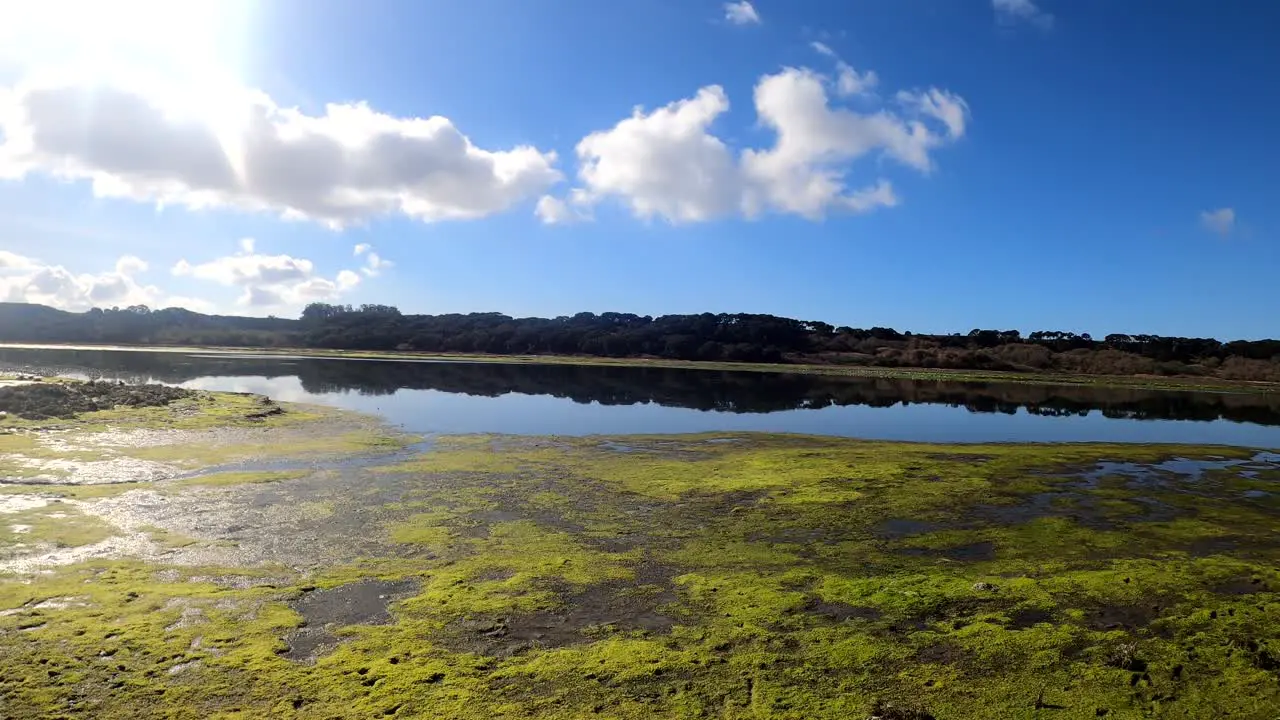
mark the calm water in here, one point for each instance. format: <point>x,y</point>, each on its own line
<point>452,397</point>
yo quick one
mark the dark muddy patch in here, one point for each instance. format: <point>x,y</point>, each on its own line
<point>1079,507</point>
<point>1028,618</point>
<point>1121,617</point>
<point>478,523</point>
<point>960,457</point>
<point>840,612</point>
<point>725,502</point>
<point>580,618</point>
<point>971,552</point>
<point>943,653</point>
<point>44,401</point>
<point>1227,544</point>
<point>798,536</point>
<point>308,643</point>
<point>898,528</point>
<point>495,575</point>
<point>1241,586</point>
<point>360,603</point>
<point>1156,511</point>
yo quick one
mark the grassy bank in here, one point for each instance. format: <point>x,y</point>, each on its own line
<point>719,576</point>
<point>925,374</point>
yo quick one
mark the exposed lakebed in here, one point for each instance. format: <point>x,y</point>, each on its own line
<point>311,563</point>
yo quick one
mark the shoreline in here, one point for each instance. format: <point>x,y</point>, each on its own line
<point>1142,382</point>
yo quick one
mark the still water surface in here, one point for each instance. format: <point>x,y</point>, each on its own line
<point>458,397</point>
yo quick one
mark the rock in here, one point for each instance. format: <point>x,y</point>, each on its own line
<point>888,711</point>
<point>984,587</point>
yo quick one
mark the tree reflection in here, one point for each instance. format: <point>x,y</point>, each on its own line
<point>720,391</point>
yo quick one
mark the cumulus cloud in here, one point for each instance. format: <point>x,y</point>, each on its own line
<point>1221,221</point>
<point>347,165</point>
<point>268,281</point>
<point>668,163</point>
<point>374,263</point>
<point>29,280</point>
<point>552,210</point>
<point>1010,12</point>
<point>741,13</point>
<point>852,82</point>
<point>665,163</point>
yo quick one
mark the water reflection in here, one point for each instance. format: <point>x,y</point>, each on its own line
<point>487,397</point>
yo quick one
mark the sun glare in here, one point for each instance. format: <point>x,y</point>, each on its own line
<point>187,39</point>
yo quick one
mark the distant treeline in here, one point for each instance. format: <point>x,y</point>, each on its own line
<point>709,337</point>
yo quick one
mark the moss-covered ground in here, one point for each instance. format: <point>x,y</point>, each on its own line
<point>205,430</point>
<point>731,577</point>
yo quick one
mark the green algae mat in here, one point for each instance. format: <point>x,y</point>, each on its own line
<point>729,576</point>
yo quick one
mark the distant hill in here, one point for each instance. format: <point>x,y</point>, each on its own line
<point>20,322</point>
<point>721,337</point>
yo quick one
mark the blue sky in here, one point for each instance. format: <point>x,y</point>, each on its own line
<point>930,165</point>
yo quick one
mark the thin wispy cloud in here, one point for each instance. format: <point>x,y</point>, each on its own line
<point>1012,12</point>
<point>1219,222</point>
<point>822,49</point>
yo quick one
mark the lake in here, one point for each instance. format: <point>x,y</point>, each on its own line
<point>444,397</point>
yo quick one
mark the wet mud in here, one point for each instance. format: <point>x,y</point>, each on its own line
<point>322,611</point>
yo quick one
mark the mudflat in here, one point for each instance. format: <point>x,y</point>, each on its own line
<point>215,555</point>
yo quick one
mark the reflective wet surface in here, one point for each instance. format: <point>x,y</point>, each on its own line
<point>461,397</point>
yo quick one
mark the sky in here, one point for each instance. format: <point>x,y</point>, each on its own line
<point>931,165</point>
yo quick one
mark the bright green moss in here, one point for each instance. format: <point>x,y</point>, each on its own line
<point>674,577</point>
<point>57,524</point>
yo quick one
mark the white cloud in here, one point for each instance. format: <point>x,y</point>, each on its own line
<point>553,211</point>
<point>823,48</point>
<point>667,163</point>
<point>130,265</point>
<point>239,148</point>
<point>851,82</point>
<point>373,262</point>
<point>556,211</point>
<point>951,110</point>
<point>848,80</point>
<point>741,13</point>
<point>1010,12</point>
<point>269,281</point>
<point>1221,221</point>
<point>28,280</point>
